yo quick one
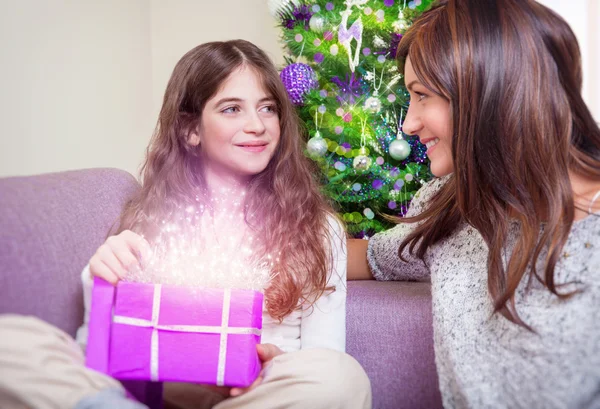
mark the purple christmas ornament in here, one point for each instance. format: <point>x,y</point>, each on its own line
<point>298,80</point>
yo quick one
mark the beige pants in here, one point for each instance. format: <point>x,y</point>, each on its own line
<point>42,367</point>
<point>313,378</point>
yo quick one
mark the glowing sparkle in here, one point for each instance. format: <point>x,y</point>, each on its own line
<point>213,249</point>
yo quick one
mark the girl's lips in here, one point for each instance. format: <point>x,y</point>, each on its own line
<point>253,148</point>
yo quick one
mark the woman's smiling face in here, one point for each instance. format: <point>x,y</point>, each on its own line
<point>429,117</point>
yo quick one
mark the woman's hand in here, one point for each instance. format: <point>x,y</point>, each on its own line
<point>266,352</point>
<point>117,255</point>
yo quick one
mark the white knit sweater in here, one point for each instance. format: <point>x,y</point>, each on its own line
<point>483,360</point>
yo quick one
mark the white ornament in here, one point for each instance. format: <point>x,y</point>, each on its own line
<point>316,23</point>
<point>378,42</point>
<point>317,146</point>
<point>373,105</point>
<point>362,162</point>
<point>399,149</point>
<point>399,24</point>
<point>354,32</point>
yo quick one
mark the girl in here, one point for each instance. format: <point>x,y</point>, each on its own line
<point>508,233</point>
<point>226,125</point>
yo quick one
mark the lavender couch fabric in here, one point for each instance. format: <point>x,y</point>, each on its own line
<point>51,224</point>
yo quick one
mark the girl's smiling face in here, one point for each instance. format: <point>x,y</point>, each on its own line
<point>429,117</point>
<point>239,129</point>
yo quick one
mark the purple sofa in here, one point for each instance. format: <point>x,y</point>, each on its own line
<point>51,224</point>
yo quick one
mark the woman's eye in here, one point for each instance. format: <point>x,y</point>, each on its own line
<point>420,96</point>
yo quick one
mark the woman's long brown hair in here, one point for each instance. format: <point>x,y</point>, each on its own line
<point>283,203</point>
<point>511,71</point>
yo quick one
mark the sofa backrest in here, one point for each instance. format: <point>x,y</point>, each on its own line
<point>50,226</point>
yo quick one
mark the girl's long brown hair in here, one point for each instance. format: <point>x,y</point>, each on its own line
<point>283,203</point>
<point>511,71</point>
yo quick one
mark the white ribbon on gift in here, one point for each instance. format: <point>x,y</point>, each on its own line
<point>224,330</point>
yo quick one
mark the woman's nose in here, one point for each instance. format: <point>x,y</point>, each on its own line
<point>412,124</point>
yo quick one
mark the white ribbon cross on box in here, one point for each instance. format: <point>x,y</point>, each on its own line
<point>223,329</point>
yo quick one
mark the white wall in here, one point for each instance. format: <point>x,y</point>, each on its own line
<point>75,84</point>
<point>180,25</point>
<point>584,16</point>
<point>81,81</point>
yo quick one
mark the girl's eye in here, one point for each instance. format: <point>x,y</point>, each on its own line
<point>420,95</point>
<point>231,110</point>
<point>269,109</point>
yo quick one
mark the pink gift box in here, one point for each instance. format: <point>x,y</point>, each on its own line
<point>171,333</point>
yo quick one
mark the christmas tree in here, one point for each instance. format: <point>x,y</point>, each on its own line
<point>341,74</point>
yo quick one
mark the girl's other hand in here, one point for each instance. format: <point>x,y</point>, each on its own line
<point>118,255</point>
<point>266,352</point>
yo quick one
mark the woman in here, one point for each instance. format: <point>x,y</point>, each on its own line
<point>508,232</point>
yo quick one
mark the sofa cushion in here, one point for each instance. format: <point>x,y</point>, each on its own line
<point>50,226</point>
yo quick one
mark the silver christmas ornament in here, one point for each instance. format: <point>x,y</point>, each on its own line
<point>362,162</point>
<point>373,105</point>
<point>316,23</point>
<point>399,149</point>
<point>317,146</point>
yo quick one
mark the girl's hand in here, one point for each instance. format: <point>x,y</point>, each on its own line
<point>266,352</point>
<point>224,391</point>
<point>117,255</point>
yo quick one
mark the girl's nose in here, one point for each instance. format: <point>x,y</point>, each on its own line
<point>254,124</point>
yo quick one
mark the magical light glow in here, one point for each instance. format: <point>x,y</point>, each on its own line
<point>207,245</point>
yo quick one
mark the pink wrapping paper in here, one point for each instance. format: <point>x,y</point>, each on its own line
<point>179,334</point>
